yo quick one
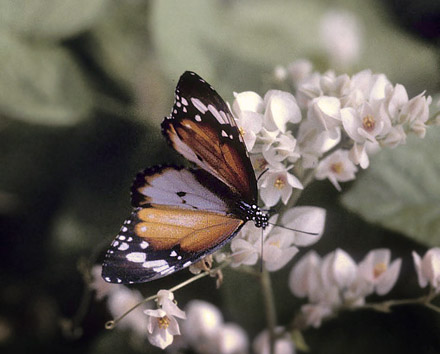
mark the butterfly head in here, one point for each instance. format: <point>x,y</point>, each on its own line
<point>254,213</point>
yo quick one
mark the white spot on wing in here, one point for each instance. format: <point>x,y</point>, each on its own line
<point>155,264</point>
<point>123,246</point>
<point>199,105</point>
<point>137,257</point>
<point>198,118</point>
<point>144,244</point>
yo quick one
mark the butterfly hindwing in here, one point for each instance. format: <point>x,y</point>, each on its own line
<point>177,220</point>
<point>159,240</point>
<point>201,127</point>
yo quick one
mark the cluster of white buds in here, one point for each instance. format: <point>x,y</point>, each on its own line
<point>329,124</point>
<point>336,280</point>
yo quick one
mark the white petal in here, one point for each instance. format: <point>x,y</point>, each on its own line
<point>305,218</point>
<point>389,278</point>
<point>232,339</point>
<point>304,278</point>
<point>247,101</point>
<point>339,268</point>
<point>285,256</point>
<point>203,320</point>
<point>281,107</point>
<point>423,281</point>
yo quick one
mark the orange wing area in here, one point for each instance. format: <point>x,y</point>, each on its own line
<point>219,157</point>
<point>194,230</point>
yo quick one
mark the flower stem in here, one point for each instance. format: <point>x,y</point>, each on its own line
<point>269,307</point>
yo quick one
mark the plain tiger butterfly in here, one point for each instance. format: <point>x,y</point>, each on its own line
<point>181,214</point>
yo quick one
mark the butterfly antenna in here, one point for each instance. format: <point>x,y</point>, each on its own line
<point>262,173</point>
<point>296,230</point>
<point>262,248</point>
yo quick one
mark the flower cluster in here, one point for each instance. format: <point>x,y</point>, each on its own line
<point>205,331</point>
<point>336,280</point>
<point>159,325</point>
<point>330,124</point>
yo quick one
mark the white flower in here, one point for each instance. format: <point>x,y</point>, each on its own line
<point>358,154</point>
<point>161,328</point>
<point>367,87</point>
<point>313,141</point>
<point>337,86</point>
<point>325,112</point>
<point>280,73</point>
<point>247,101</point>
<point>206,333</point>
<point>377,271</point>
<point>338,269</point>
<point>341,37</point>
<point>165,300</point>
<point>120,301</point>
<point>365,124</point>
<point>315,313</point>
<point>283,344</point>
<point>98,284</point>
<point>244,252</point>
<point>416,112</point>
<point>304,218</point>
<point>308,89</point>
<point>299,70</point>
<point>203,321</point>
<point>161,324</point>
<point>265,139</point>
<point>277,184</point>
<point>278,250</point>
<point>396,136</point>
<point>249,124</point>
<point>231,339</point>
<point>283,147</point>
<point>305,276</point>
<point>281,108</point>
<point>337,167</point>
<point>428,268</point>
<point>246,247</point>
<point>396,98</point>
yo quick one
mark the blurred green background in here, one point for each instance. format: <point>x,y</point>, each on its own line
<point>84,85</point>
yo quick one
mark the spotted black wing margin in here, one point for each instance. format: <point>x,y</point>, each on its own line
<point>201,127</point>
<point>159,240</point>
<point>177,220</point>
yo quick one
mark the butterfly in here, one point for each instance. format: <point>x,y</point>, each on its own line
<point>181,215</point>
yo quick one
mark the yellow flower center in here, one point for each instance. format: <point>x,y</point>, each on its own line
<point>163,322</point>
<point>379,268</point>
<point>337,167</point>
<point>279,183</point>
<point>275,243</point>
<point>241,131</point>
<point>368,122</point>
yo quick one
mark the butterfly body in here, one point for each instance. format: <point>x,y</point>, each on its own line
<point>182,214</point>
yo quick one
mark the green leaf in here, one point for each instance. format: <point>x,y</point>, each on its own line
<point>401,189</point>
<point>249,38</point>
<point>41,83</point>
<point>50,18</point>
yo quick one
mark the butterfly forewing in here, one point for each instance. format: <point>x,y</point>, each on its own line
<point>176,222</point>
<point>202,128</point>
